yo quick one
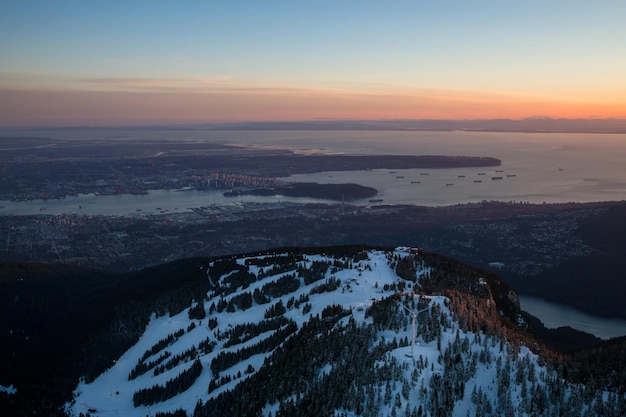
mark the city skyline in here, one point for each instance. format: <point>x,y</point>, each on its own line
<point>118,63</point>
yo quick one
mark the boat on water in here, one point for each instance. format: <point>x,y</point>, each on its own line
<point>376,200</point>
<point>496,178</point>
<point>482,173</point>
<point>461,176</point>
<point>477,180</point>
<point>511,175</point>
<point>449,184</point>
<point>416,182</point>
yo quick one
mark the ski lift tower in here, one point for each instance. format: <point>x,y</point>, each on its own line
<point>413,319</point>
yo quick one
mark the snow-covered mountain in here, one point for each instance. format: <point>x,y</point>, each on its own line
<point>364,332</point>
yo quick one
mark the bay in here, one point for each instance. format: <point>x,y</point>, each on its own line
<point>554,315</point>
<point>536,168</point>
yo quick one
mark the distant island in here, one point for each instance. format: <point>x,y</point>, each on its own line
<point>530,124</point>
<point>338,192</point>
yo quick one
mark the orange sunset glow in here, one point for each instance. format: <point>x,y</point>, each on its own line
<point>304,63</point>
<point>106,108</point>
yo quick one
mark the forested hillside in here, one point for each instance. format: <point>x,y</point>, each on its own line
<point>331,332</point>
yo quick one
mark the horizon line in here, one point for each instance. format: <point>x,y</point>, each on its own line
<point>428,124</point>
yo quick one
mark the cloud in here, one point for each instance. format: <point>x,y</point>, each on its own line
<point>109,101</point>
<point>158,84</point>
<point>28,80</point>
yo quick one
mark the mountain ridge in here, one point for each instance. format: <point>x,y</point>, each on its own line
<point>453,275</point>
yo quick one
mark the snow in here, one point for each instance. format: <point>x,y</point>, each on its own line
<point>270,408</point>
<point>112,392</point>
<point>10,390</point>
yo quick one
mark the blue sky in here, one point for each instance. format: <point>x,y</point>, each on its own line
<point>556,57</point>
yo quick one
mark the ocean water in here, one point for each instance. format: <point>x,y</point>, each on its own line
<point>536,168</point>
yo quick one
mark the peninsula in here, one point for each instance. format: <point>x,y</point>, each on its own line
<point>337,192</point>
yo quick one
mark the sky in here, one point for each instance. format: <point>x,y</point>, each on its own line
<point>161,62</point>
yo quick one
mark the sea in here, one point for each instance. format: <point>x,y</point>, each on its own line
<point>536,167</point>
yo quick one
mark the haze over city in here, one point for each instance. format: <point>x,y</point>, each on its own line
<point>120,63</point>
